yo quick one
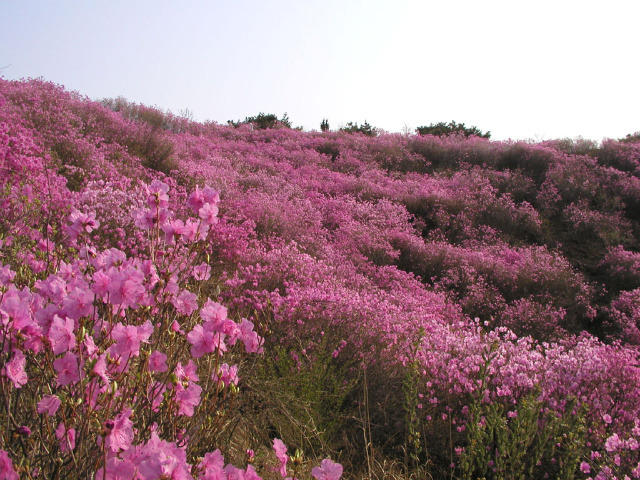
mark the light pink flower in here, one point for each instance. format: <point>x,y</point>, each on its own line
<point>281,454</point>
<point>117,469</point>
<point>7,471</point>
<point>327,470</point>
<point>67,368</point>
<point>49,405</point>
<point>203,342</point>
<point>202,272</point>
<point>188,398</point>
<point>209,214</point>
<point>15,369</point>
<point>158,362</point>
<point>67,438</point>
<point>62,334</point>
<point>121,434</point>
<point>186,302</point>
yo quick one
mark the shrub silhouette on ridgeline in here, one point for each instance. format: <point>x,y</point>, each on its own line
<point>365,129</point>
<point>263,121</point>
<point>631,138</point>
<point>440,129</point>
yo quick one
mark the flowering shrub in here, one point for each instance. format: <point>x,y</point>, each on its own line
<point>159,324</point>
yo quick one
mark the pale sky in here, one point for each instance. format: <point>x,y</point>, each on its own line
<point>520,69</point>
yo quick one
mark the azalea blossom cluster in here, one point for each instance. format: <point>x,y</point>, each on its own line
<point>111,336</point>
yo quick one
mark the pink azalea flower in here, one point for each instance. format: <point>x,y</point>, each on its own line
<point>121,434</point>
<point>78,303</point>
<point>100,368</point>
<point>209,214</point>
<point>67,438</point>
<point>281,454</point>
<point>160,459</point>
<point>7,471</point>
<point>129,337</point>
<point>202,272</point>
<point>252,341</point>
<point>195,201</point>
<point>158,362</point>
<point>613,443</point>
<point>213,312</point>
<point>188,372</point>
<point>49,405</point>
<point>203,342</point>
<point>62,334</point>
<point>156,395</point>
<point>67,368</point>
<point>173,229</point>
<point>186,302</point>
<point>158,197</point>
<point>6,275</point>
<point>327,470</point>
<point>188,398</point>
<point>15,369</point>
<point>211,195</point>
<point>226,374</point>
<point>117,469</point>
<point>145,219</point>
<point>251,474</point>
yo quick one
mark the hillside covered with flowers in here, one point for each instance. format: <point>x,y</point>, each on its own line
<point>192,300</point>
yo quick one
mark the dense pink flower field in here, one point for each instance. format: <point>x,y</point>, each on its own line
<point>173,293</point>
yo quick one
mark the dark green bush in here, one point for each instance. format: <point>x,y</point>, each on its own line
<point>329,149</point>
<point>442,128</point>
<point>262,121</point>
<point>365,129</point>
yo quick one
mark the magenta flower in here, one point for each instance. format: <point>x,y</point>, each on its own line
<point>62,334</point>
<point>281,454</point>
<point>100,368</point>
<point>203,342</point>
<point>188,372</point>
<point>212,466</point>
<point>15,369</point>
<point>202,272</point>
<point>158,197</point>
<point>186,302</point>
<point>195,201</point>
<point>251,474</point>
<point>158,362</point>
<point>209,214</point>
<point>211,195</point>
<point>67,368</point>
<point>327,470</point>
<point>78,303</point>
<point>49,405</point>
<point>67,438</point>
<point>129,337</point>
<point>121,434</point>
<point>213,311</point>
<point>252,341</point>
<point>226,374</point>
<point>117,469</point>
<point>187,398</point>
<point>7,471</point>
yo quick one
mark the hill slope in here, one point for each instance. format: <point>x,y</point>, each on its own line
<point>420,300</point>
